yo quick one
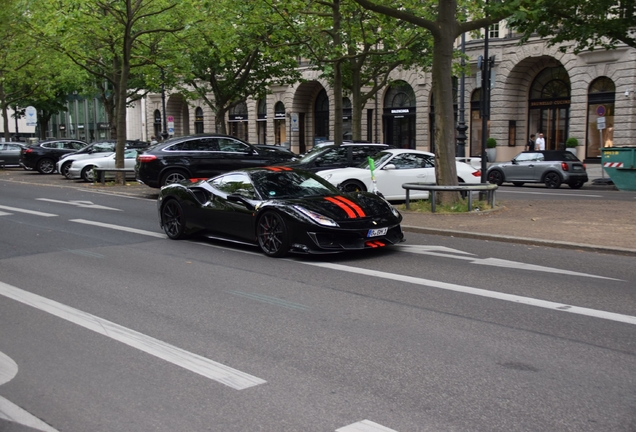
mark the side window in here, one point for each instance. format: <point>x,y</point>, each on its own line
<point>335,156</point>
<point>130,154</point>
<point>50,145</point>
<point>77,145</point>
<point>235,183</point>
<point>359,154</point>
<point>230,145</point>
<point>409,161</point>
<point>104,147</point>
<point>526,157</point>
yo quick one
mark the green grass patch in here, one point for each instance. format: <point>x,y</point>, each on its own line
<point>459,207</point>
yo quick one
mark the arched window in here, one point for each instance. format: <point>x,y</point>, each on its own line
<point>198,120</point>
<point>238,121</point>
<point>550,107</point>
<point>399,115</point>
<point>280,133</point>
<point>601,97</point>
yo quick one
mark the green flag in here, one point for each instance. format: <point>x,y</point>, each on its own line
<point>371,164</point>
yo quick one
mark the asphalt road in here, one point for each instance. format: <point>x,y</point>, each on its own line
<point>106,325</point>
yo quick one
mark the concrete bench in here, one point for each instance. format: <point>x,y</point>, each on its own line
<point>101,173</point>
<point>432,188</point>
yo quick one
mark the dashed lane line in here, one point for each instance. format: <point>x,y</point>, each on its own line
<point>205,367</point>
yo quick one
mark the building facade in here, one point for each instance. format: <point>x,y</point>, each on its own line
<point>535,88</point>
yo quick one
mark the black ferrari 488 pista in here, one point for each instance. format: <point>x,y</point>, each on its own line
<point>281,210</point>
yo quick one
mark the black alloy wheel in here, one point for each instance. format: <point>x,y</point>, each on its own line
<point>496,177</point>
<point>173,219</point>
<point>353,186</point>
<point>46,166</point>
<point>272,234</point>
<point>173,177</point>
<point>552,180</point>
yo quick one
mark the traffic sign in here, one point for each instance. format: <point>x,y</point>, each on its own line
<point>600,111</point>
<point>600,123</point>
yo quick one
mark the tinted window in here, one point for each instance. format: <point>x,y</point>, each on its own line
<point>204,144</point>
<point>290,184</point>
<point>410,161</point>
<point>230,145</point>
<point>360,153</point>
<point>236,183</point>
<point>333,156</point>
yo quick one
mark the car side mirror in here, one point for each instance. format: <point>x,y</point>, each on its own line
<point>514,161</point>
<point>389,167</point>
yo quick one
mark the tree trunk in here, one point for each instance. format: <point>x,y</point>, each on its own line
<point>356,103</point>
<point>445,173</point>
<point>219,118</point>
<point>337,78</point>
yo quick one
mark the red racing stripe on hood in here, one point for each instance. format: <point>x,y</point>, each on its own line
<point>343,206</point>
<point>353,205</point>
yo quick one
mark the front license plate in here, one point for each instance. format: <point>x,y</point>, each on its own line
<point>377,232</point>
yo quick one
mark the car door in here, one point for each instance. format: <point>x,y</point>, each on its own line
<point>200,156</point>
<point>405,168</point>
<point>227,217</point>
<point>238,155</point>
<point>522,167</point>
<point>10,153</point>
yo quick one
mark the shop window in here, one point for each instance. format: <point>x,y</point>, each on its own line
<point>600,116</point>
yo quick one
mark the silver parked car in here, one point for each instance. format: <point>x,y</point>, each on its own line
<point>551,167</point>
<point>10,153</point>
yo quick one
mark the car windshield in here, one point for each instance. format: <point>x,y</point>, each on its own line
<point>378,159</point>
<point>290,184</point>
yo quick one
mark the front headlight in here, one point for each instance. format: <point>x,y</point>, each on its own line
<point>327,176</point>
<point>316,217</point>
<point>395,211</point>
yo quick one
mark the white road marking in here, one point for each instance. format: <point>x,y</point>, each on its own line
<point>193,362</point>
<point>13,413</point>
<point>10,411</point>
<point>83,204</point>
<point>119,228</point>
<point>5,214</point>
<point>365,426</point>
<point>495,262</point>
<point>32,212</point>
<point>628,319</point>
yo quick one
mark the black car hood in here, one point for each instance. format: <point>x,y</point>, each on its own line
<point>346,207</point>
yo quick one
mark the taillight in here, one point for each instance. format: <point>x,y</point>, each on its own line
<point>477,173</point>
<point>146,158</point>
<point>27,150</point>
<point>564,166</point>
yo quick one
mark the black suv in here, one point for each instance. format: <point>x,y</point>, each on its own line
<point>199,156</point>
<point>337,156</point>
<point>43,155</point>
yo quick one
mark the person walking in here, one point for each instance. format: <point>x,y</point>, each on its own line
<point>530,144</point>
<point>540,144</point>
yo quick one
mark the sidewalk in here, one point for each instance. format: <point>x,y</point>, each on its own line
<point>599,225</point>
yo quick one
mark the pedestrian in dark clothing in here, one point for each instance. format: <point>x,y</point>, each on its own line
<point>530,145</point>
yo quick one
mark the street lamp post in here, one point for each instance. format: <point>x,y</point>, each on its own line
<point>461,125</point>
<point>164,132</point>
<point>484,105</point>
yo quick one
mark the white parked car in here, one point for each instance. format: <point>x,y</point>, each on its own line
<point>83,168</point>
<point>393,168</point>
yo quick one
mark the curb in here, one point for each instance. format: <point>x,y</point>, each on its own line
<point>521,240</point>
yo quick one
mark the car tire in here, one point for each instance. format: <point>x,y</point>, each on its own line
<point>46,166</point>
<point>273,235</point>
<point>87,174</point>
<point>173,176</point>
<point>496,177</point>
<point>518,184</point>
<point>64,169</point>
<point>576,185</point>
<point>552,180</point>
<point>173,220</point>
<point>352,186</point>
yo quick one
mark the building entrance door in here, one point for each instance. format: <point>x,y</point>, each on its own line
<point>554,125</point>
